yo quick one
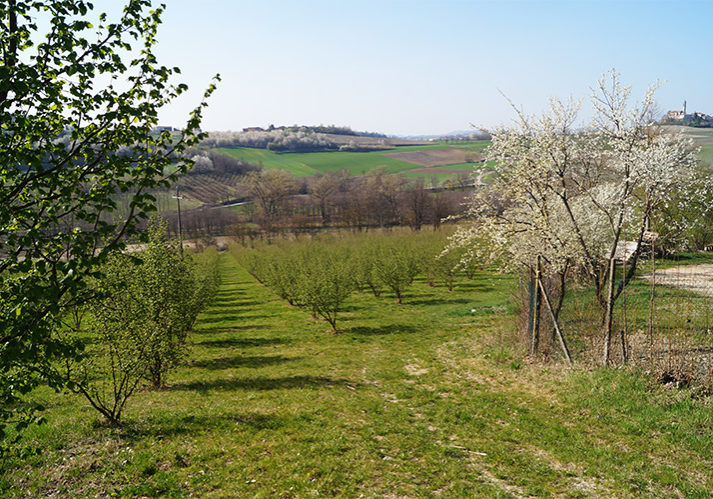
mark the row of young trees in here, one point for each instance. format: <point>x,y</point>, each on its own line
<point>318,274</point>
<point>59,222</point>
<point>136,326</point>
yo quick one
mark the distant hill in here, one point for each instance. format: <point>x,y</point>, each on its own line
<point>410,158</point>
<point>455,135</point>
<point>303,139</point>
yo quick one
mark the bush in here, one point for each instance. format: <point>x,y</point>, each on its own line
<point>137,327</point>
<point>325,280</point>
<point>397,264</point>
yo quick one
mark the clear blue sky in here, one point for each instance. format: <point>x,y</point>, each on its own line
<point>425,66</point>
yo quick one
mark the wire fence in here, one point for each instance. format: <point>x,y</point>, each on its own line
<point>662,322</point>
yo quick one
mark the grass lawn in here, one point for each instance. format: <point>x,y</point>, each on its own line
<point>421,399</point>
<point>358,163</point>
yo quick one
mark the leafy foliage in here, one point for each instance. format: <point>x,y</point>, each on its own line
<point>138,329</point>
<point>397,264</point>
<point>70,143</point>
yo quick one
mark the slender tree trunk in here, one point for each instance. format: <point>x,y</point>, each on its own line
<point>560,299</point>
<point>535,303</point>
<point>652,296</point>
<point>609,317</point>
<point>622,330</point>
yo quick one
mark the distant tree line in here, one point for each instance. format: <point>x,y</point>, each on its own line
<point>694,121</point>
<point>276,140</point>
<point>215,162</point>
<point>295,139</point>
<point>341,130</point>
<point>275,202</point>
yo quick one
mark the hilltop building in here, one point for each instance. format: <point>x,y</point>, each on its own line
<point>682,115</point>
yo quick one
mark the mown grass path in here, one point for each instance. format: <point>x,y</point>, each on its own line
<point>416,400</point>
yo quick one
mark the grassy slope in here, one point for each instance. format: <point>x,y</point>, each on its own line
<point>411,400</point>
<point>358,163</point>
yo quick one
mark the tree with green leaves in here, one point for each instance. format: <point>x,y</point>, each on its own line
<point>78,103</point>
<point>326,279</point>
<point>397,263</point>
<point>137,328</point>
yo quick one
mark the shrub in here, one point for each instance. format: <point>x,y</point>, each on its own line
<point>137,328</point>
<point>397,264</point>
<point>325,281</point>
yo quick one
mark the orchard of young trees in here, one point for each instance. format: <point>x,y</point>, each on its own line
<point>319,274</point>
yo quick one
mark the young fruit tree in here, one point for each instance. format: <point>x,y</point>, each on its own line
<point>137,327</point>
<point>568,196</point>
<point>397,263</point>
<point>78,103</point>
<point>326,280</point>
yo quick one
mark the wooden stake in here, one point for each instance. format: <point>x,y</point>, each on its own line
<point>555,322</point>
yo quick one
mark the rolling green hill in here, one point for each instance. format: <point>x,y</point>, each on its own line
<point>358,163</point>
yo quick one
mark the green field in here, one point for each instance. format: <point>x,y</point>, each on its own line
<point>358,163</point>
<point>430,398</point>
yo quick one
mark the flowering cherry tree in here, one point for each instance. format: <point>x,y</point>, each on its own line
<point>567,196</point>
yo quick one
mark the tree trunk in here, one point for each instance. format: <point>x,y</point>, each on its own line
<point>609,317</point>
<point>535,308</point>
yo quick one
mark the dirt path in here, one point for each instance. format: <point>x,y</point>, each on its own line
<point>697,278</point>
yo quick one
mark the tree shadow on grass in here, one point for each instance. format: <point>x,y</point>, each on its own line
<point>351,308</point>
<point>164,426</point>
<point>439,301</point>
<point>243,342</point>
<point>473,286</point>
<point>260,384</point>
<point>254,361</point>
<point>232,329</point>
<point>229,304</point>
<point>215,316</point>
<point>381,330</point>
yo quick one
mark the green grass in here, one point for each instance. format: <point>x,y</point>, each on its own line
<point>429,398</point>
<point>358,163</point>
<point>676,260</point>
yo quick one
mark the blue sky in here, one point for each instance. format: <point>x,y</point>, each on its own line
<point>425,66</point>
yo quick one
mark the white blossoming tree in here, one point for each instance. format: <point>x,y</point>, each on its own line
<point>567,196</point>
